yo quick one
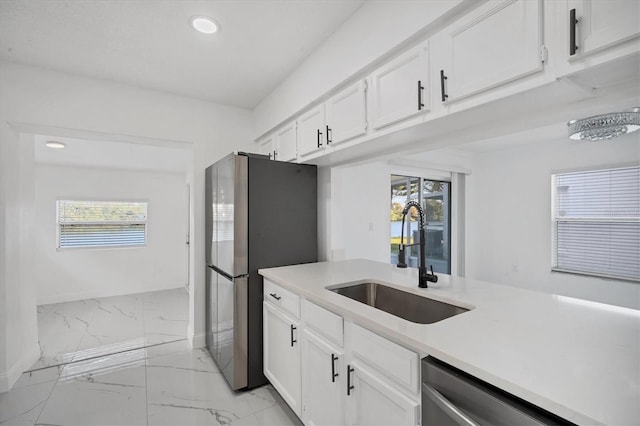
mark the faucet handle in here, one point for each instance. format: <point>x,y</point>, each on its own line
<point>432,277</point>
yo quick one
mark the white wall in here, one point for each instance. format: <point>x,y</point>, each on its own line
<point>359,201</point>
<point>509,216</point>
<point>359,212</point>
<point>76,274</point>
<point>66,104</point>
<point>371,32</point>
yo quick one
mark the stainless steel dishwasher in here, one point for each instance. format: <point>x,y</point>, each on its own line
<point>453,397</point>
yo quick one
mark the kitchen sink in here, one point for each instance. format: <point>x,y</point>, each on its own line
<point>408,306</point>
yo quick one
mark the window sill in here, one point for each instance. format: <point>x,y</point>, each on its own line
<point>594,275</point>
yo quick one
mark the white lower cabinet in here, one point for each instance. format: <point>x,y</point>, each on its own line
<point>322,381</point>
<point>282,354</point>
<point>333,377</point>
<point>373,401</point>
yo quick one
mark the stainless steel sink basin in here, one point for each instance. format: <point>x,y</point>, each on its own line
<point>405,305</point>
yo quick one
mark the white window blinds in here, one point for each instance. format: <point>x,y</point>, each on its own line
<point>101,223</point>
<point>596,223</point>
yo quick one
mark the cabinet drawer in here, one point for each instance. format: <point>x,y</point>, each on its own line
<point>397,363</point>
<point>282,298</point>
<point>324,322</point>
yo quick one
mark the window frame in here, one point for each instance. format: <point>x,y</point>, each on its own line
<point>58,245</point>
<point>608,220</point>
<point>436,177</point>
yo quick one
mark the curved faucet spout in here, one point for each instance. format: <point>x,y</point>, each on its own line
<point>417,207</point>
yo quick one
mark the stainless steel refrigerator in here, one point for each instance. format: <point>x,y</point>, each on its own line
<point>259,214</point>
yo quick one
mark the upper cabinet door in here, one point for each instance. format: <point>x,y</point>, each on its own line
<point>600,24</point>
<point>498,42</point>
<point>400,88</point>
<point>311,131</point>
<point>266,146</point>
<point>286,142</point>
<point>347,114</point>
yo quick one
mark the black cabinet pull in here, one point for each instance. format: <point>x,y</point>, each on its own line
<point>572,32</point>
<point>420,89</point>
<point>318,135</point>
<point>292,339</point>
<point>442,88</point>
<point>328,137</point>
<point>334,358</point>
<point>275,296</point>
<point>274,154</point>
<point>349,385</point>
<point>270,156</point>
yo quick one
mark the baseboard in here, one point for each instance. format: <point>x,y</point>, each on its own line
<point>196,340</point>
<point>8,379</point>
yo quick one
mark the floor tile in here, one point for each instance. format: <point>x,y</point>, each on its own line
<point>23,405</point>
<point>98,397</point>
<point>191,381</point>
<point>278,415</point>
<point>262,398</point>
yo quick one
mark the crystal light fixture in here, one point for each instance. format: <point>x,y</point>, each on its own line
<point>605,126</point>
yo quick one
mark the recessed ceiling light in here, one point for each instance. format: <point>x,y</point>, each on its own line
<point>54,145</point>
<point>204,24</point>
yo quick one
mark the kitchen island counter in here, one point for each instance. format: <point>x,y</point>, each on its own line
<point>577,359</point>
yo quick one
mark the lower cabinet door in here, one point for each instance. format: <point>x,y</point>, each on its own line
<point>322,382</point>
<point>372,401</point>
<point>282,354</point>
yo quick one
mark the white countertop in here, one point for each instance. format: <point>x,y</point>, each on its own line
<point>577,359</point>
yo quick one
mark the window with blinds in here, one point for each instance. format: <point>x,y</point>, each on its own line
<point>596,223</point>
<point>101,223</point>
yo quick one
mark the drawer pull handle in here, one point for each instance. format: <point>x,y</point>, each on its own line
<point>275,296</point>
<point>334,358</point>
<point>349,385</point>
<point>420,89</point>
<point>293,328</point>
<point>572,32</point>
<point>443,91</point>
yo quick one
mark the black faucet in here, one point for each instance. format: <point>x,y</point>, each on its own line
<point>423,275</point>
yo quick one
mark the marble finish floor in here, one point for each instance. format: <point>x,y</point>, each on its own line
<point>166,384</point>
<point>84,329</point>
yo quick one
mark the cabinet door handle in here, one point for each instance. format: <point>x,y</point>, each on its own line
<point>275,153</point>
<point>271,156</point>
<point>275,296</point>
<point>329,131</point>
<point>420,89</point>
<point>334,358</point>
<point>319,135</point>
<point>572,32</point>
<point>443,91</point>
<point>349,385</point>
<point>293,328</point>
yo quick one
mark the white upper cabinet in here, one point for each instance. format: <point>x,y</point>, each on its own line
<point>347,114</point>
<point>598,24</point>
<point>312,131</point>
<point>267,146</point>
<point>498,42</point>
<point>286,142</point>
<point>400,88</point>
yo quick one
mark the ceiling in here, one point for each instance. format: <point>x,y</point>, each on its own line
<point>151,44</point>
<point>112,154</point>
